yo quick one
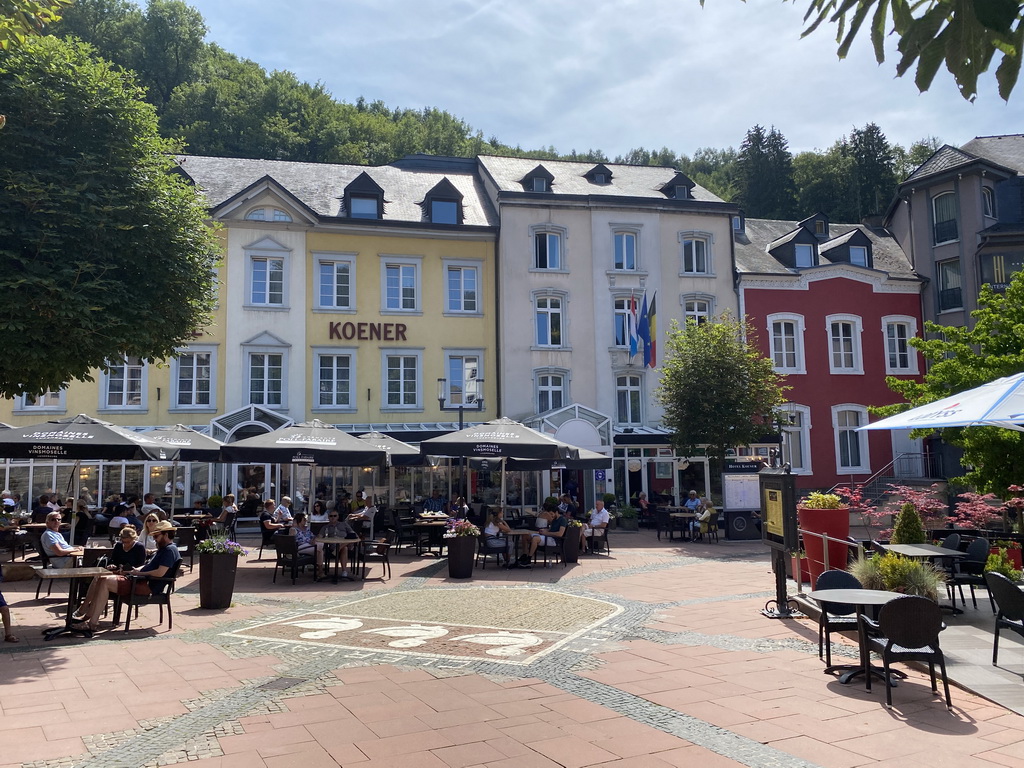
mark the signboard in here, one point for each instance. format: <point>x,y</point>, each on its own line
<point>741,492</point>
<point>778,509</point>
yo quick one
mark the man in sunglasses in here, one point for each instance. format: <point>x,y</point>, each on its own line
<point>340,529</point>
<point>157,567</point>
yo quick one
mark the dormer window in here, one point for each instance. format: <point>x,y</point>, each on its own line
<point>537,180</point>
<point>859,255</point>
<point>804,255</point>
<point>599,174</point>
<point>364,198</point>
<point>818,224</point>
<point>678,187</point>
<point>444,203</point>
<point>819,227</point>
<point>737,223</point>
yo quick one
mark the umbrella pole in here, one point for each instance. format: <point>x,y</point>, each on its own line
<point>174,488</point>
<point>501,503</point>
<point>76,489</point>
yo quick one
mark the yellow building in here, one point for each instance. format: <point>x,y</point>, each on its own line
<point>349,294</point>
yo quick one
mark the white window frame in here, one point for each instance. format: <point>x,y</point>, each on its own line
<point>462,264</point>
<point>563,373</point>
<point>864,467</point>
<point>856,340</point>
<point>798,337</point>
<point>416,263</point>
<point>624,314</point>
<point>451,355</point>
<point>364,198</point>
<point>266,354</point>
<point>911,325</point>
<point>935,221</point>
<point>276,214</point>
<point>693,236</point>
<point>861,249</point>
<point>798,249</point>
<point>637,418</point>
<point>551,230</point>
<point>322,258</point>
<point>320,352</point>
<point>563,314</point>
<point>538,184</point>
<point>57,403</point>
<point>105,380</point>
<point>939,282</point>
<point>696,314</point>
<point>626,231</point>
<point>198,349</point>
<point>988,202</point>
<point>268,252</point>
<point>385,355</point>
<point>801,433</point>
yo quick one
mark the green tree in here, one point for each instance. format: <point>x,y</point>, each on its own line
<point>824,182</point>
<point>765,174</point>
<point>874,169</point>
<point>717,389</point>
<point>20,19</point>
<point>105,249</point>
<point>965,35</point>
<point>961,358</point>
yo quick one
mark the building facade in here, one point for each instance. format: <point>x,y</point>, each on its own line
<point>580,245</point>
<point>834,307</point>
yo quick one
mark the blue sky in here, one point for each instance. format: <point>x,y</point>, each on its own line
<point>605,74</point>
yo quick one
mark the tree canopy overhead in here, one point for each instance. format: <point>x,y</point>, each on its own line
<point>717,389</point>
<point>105,248</point>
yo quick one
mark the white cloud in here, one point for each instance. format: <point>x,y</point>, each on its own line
<point>607,75</point>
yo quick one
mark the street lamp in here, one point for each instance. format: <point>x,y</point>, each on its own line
<point>472,393</point>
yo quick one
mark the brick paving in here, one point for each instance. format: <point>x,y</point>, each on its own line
<point>655,656</point>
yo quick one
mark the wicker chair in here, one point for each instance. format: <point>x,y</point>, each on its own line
<point>908,630</point>
<point>1010,601</point>
<point>288,556</point>
<point>970,570</point>
<point>835,617</point>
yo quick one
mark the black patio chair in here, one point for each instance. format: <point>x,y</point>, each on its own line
<point>185,539</point>
<point>970,570</point>
<point>908,629</point>
<point>664,522</point>
<point>495,547</point>
<point>835,617</point>
<point>133,600</point>
<point>1010,601</point>
<point>288,556</point>
<point>370,551</point>
<point>948,564</point>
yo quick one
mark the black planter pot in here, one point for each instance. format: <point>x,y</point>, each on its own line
<point>461,554</point>
<point>629,524</point>
<point>216,580</point>
<point>571,546</point>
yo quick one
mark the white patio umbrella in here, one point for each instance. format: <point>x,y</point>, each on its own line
<point>999,403</point>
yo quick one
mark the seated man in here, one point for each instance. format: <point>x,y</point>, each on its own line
<point>268,526</point>
<point>336,529</point>
<point>597,525</point>
<point>556,528</point>
<point>158,566</point>
<point>435,503</point>
<point>56,547</point>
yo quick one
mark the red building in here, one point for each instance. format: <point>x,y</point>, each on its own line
<point>834,306</point>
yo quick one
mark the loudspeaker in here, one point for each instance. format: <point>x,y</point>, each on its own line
<point>740,525</point>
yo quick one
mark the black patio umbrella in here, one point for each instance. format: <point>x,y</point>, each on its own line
<point>399,454</point>
<point>501,438</point>
<point>311,442</point>
<point>81,437</point>
<point>585,460</point>
<point>189,444</point>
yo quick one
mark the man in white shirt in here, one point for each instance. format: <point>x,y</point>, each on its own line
<point>598,524</point>
<point>149,505</point>
<point>55,546</point>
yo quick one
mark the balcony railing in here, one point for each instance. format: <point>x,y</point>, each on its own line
<point>950,298</point>
<point>945,231</point>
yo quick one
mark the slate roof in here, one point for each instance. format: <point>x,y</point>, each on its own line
<point>1004,150</point>
<point>943,159</point>
<point>569,178</point>
<point>321,185</point>
<point>752,256</point>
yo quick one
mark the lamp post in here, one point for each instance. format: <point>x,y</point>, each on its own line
<point>473,394</point>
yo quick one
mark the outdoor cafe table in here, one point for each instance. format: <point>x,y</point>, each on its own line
<point>340,541</point>
<point>861,598</point>
<point>927,552</point>
<point>72,575</point>
<point>686,517</point>
<point>435,535</point>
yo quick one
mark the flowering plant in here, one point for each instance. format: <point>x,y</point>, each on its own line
<point>456,528</point>
<point>220,545</point>
<point>573,524</point>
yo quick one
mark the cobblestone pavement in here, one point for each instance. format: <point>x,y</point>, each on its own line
<point>656,656</point>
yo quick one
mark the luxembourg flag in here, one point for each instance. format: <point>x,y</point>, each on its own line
<point>631,331</point>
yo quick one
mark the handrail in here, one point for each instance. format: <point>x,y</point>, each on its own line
<point>825,538</point>
<point>878,474</point>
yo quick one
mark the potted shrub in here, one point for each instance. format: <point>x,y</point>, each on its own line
<point>609,500</point>
<point>1000,562</point>
<point>218,563</point>
<point>628,518</point>
<point>215,502</point>
<point>571,542</point>
<point>824,513</point>
<point>908,528</point>
<point>900,574</point>
<point>1013,552</point>
<point>461,538</point>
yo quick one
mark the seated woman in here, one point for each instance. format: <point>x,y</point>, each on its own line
<point>129,552</point>
<point>318,514</point>
<point>336,529</point>
<point>498,534</point>
<point>166,555</point>
<point>304,538</point>
<point>146,537</point>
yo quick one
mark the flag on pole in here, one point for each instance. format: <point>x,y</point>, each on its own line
<point>644,331</point>
<point>652,325</point>
<point>631,331</point>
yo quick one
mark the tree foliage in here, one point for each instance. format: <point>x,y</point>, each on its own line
<point>104,247</point>
<point>717,389</point>
<point>765,174</point>
<point>961,358</point>
<point>963,35</point>
<point>20,19</point>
